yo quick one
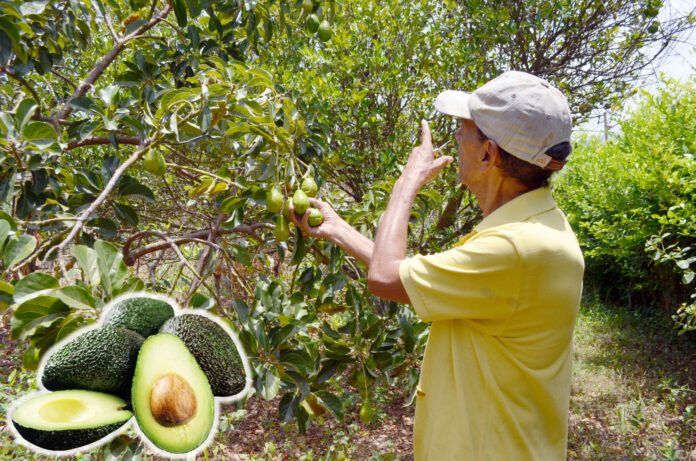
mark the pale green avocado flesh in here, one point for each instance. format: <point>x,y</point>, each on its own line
<point>69,419</point>
<point>165,355</point>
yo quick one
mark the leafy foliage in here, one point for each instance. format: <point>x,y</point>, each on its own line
<point>221,101</point>
<point>630,201</point>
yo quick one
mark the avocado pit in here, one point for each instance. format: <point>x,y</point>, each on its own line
<point>172,400</point>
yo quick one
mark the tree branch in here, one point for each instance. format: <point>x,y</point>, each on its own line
<point>130,258</point>
<point>102,197</point>
<point>97,140</point>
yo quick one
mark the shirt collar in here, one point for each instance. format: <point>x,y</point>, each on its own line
<point>519,209</point>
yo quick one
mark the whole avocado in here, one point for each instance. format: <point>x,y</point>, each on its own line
<point>99,360</point>
<point>214,350</point>
<point>141,314</point>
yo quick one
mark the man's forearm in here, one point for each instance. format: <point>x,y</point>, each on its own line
<point>390,244</point>
<point>354,243</point>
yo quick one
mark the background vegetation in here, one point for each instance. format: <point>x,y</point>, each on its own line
<point>138,139</point>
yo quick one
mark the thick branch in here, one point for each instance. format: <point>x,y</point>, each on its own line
<point>102,197</point>
<point>131,140</point>
<point>130,258</point>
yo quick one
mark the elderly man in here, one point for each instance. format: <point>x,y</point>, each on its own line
<point>495,379</point>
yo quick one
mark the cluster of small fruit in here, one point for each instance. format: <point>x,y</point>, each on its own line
<point>300,202</point>
<point>315,26</point>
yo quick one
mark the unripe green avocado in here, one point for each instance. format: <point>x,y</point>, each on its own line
<point>274,200</point>
<point>315,217</point>
<point>300,202</point>
<point>282,229</point>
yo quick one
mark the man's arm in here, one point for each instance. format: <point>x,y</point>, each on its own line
<point>383,278</point>
<point>335,229</point>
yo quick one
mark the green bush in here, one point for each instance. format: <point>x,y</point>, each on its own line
<point>631,202</point>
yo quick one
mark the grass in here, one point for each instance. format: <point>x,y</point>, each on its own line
<point>632,398</point>
<point>633,388</point>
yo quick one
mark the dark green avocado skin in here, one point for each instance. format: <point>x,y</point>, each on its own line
<point>99,360</point>
<point>68,439</point>
<point>143,315</point>
<point>213,349</point>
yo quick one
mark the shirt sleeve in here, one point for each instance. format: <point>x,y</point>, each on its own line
<point>478,280</point>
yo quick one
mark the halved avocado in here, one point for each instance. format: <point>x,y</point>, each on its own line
<point>171,396</point>
<point>64,420</point>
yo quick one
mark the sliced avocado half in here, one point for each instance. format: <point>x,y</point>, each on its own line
<point>171,396</point>
<point>64,420</point>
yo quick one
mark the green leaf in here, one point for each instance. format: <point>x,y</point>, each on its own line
<point>33,284</point>
<point>126,213</point>
<point>87,259</point>
<point>17,250</point>
<point>288,406</point>
<point>331,402</point>
<point>299,249</point>
<point>132,285</point>
<point>24,113</point>
<point>104,226</point>
<point>112,270</point>
<point>241,255</point>
<point>201,301</point>
<point>31,358</point>
<point>85,104</point>
<point>180,12</point>
<point>33,8</point>
<point>270,385</point>
<point>76,297</point>
<point>133,188</point>
<point>4,231</point>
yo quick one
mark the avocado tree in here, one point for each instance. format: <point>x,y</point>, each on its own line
<point>139,141</point>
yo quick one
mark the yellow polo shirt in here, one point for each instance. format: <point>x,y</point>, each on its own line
<point>495,380</point>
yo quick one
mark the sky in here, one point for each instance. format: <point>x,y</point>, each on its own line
<point>679,63</point>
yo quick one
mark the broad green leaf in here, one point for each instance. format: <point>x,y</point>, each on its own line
<point>25,110</point>
<point>87,259</point>
<point>180,12</point>
<point>70,324</point>
<point>201,301</point>
<point>131,285</point>
<point>331,402</point>
<point>112,270</point>
<point>288,406</point>
<point>126,213</point>
<point>104,226</point>
<point>76,297</point>
<point>16,250</point>
<point>85,104</point>
<point>33,8</point>
<point>6,298</point>
<point>299,250</point>
<point>135,189</point>
<point>37,311</point>
<point>270,385</point>
<point>31,358</point>
<point>41,134</point>
<point>33,284</point>
<point>4,231</point>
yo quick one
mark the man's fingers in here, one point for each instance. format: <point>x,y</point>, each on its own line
<point>426,140</point>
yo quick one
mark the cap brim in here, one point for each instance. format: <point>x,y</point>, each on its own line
<point>454,103</point>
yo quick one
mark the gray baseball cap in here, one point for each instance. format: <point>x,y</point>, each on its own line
<point>522,113</point>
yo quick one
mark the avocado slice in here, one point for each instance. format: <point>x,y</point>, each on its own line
<point>141,314</point>
<point>171,397</point>
<point>64,420</point>
<point>214,350</point>
<point>101,360</point>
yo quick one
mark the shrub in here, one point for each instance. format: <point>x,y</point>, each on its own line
<point>631,202</point>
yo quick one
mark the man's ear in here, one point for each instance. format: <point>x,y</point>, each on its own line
<point>490,154</point>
